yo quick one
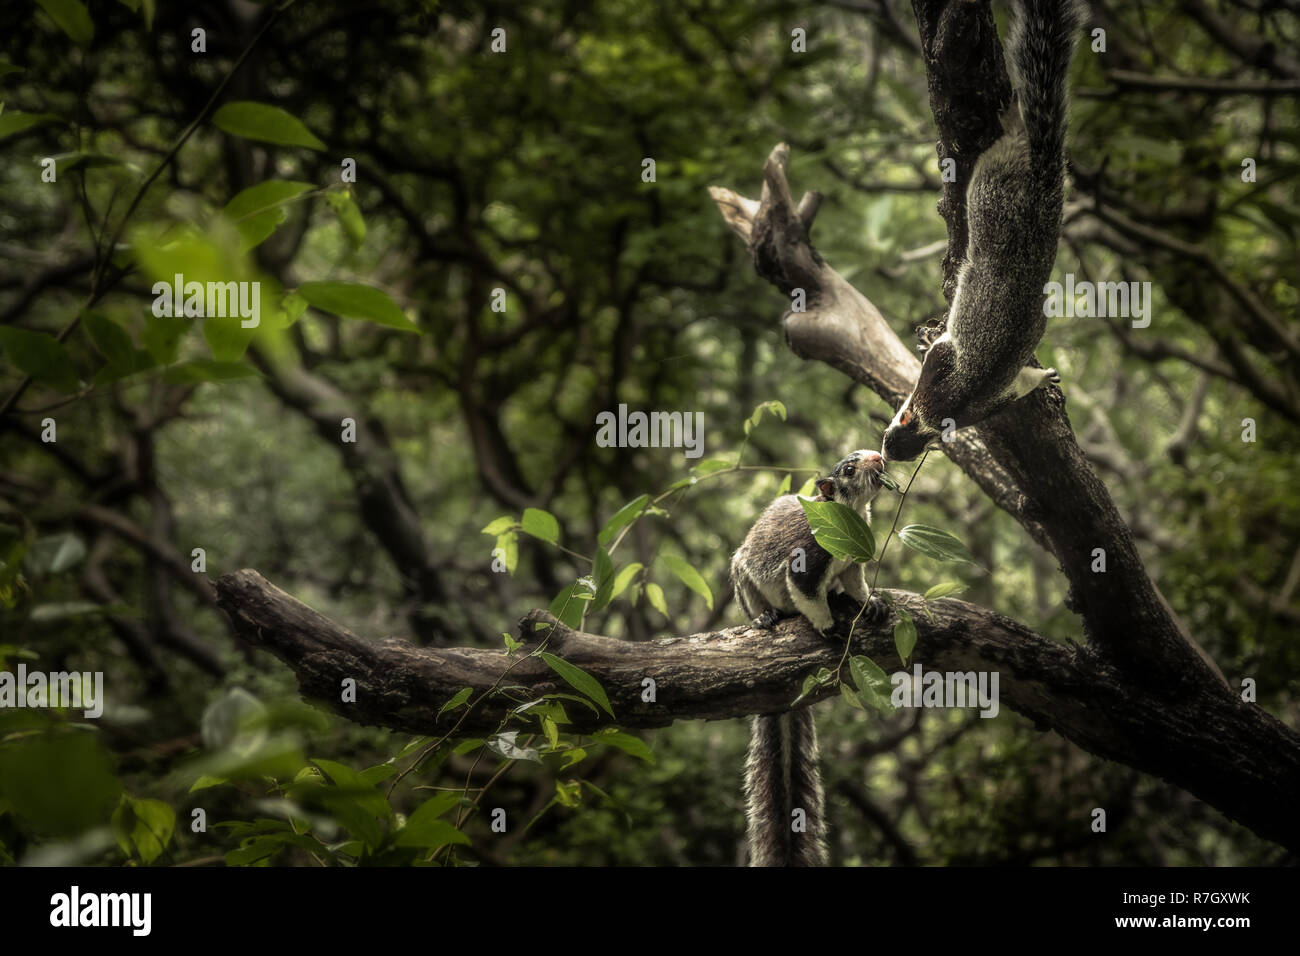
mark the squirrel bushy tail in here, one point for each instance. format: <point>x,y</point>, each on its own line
<point>1041,41</point>
<point>781,776</point>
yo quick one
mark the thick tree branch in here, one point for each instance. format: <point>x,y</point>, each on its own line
<point>1231,754</point>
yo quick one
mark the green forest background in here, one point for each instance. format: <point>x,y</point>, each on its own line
<point>522,171</point>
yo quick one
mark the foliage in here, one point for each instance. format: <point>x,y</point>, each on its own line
<point>496,275</point>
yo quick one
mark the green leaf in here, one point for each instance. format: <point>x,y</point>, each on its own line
<point>435,807</point>
<point>944,589</point>
<point>345,207</point>
<point>873,684</point>
<point>709,466</point>
<point>202,256</point>
<point>576,699</point>
<point>265,123</point>
<point>552,732</point>
<point>293,306</point>
<point>16,121</point>
<point>429,834</point>
<point>935,543</point>
<point>205,781</point>
<point>603,571</point>
<point>772,408</point>
<point>162,336</point>
<point>568,793</point>
<point>258,210</point>
<point>623,517</point>
<point>58,783</point>
<point>625,742</point>
<point>499,525</point>
<point>569,605</point>
<point>851,698</point>
<point>41,356</point>
<point>151,825</point>
<point>866,673</point>
<point>579,680</point>
<point>690,577</point>
<point>352,300</point>
<point>356,788</point>
<point>207,370</point>
<point>904,635</point>
<point>888,481</point>
<point>784,487</point>
<point>425,829</point>
<point>110,339</point>
<point>6,68</point>
<point>624,578</point>
<point>541,524</point>
<point>72,18</point>
<point>462,695</point>
<point>508,543</point>
<point>810,684</point>
<point>839,529</point>
<point>655,595</point>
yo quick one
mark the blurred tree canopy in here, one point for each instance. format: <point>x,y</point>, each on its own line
<point>457,250</point>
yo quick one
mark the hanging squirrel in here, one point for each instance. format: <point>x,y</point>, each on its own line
<point>979,364</point>
<point>780,570</point>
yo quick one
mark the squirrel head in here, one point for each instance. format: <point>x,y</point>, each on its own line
<point>907,435</point>
<point>855,480</point>
<point>916,424</point>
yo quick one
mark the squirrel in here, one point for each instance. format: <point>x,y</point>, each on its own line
<point>980,363</point>
<point>778,571</point>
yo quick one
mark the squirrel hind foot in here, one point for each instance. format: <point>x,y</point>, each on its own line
<point>768,619</point>
<point>877,611</point>
<point>927,335</point>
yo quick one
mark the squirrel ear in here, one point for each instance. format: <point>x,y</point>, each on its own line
<point>826,486</point>
<point>906,417</point>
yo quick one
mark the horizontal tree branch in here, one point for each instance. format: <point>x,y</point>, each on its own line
<point>1233,755</point>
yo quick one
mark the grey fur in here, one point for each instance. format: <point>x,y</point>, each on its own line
<point>781,773</point>
<point>1013,209</point>
<point>781,776</point>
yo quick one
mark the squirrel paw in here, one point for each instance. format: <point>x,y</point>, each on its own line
<point>1054,376</point>
<point>926,335</point>
<point>768,619</point>
<point>876,612</point>
<point>845,606</point>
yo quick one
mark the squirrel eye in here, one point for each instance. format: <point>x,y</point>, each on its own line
<point>848,471</point>
<point>906,417</point>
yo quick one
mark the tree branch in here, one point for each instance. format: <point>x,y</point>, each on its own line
<point>1233,755</point>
